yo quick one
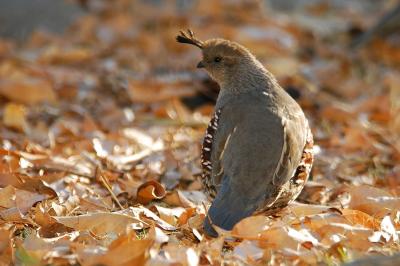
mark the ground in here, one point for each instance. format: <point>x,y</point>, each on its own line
<point>101,129</point>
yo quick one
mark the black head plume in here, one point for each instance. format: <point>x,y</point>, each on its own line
<point>189,38</point>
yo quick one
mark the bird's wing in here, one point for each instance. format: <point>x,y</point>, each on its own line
<point>249,152</point>
<point>295,128</point>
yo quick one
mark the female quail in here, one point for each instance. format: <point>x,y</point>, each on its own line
<point>257,152</point>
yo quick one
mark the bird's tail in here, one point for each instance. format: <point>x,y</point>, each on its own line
<point>229,207</point>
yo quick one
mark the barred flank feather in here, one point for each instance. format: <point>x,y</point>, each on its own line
<point>206,155</point>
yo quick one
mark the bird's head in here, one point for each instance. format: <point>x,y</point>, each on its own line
<point>222,59</point>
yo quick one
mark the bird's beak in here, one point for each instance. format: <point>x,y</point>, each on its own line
<point>200,64</point>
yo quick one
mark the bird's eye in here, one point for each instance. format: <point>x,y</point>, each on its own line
<point>217,59</point>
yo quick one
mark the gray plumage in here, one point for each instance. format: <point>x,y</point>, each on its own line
<point>259,141</point>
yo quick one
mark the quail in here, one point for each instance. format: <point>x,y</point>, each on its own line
<point>257,151</point>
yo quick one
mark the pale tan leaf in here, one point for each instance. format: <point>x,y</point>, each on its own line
<point>28,91</point>
<point>101,223</point>
<point>15,116</point>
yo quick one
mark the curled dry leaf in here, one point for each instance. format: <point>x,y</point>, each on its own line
<point>149,191</point>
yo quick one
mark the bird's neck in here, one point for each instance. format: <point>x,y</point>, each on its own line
<point>248,78</point>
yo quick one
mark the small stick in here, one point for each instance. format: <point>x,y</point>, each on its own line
<point>108,187</point>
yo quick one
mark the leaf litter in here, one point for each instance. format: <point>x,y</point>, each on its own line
<point>101,133</point>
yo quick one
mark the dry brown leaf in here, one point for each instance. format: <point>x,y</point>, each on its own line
<point>35,185</point>
<point>125,250</point>
<point>149,191</point>
<point>251,227</point>
<point>394,85</point>
<point>373,201</point>
<point>176,198</point>
<point>67,115</point>
<point>5,246</point>
<point>15,116</point>
<point>185,216</point>
<point>301,210</point>
<point>387,232</point>
<point>337,113</point>
<point>316,221</point>
<point>147,216</point>
<point>28,91</point>
<point>101,223</point>
<point>25,200</point>
<point>58,55</point>
<point>12,215</point>
<point>248,251</point>
<point>7,179</point>
<point>176,254</point>
<point>7,197</point>
<point>150,91</point>
<point>356,217</point>
<point>170,215</point>
<point>277,238</point>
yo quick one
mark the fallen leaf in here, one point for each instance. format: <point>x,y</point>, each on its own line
<point>149,217</point>
<point>7,197</point>
<point>356,217</point>
<point>170,215</point>
<point>125,250</point>
<point>248,251</point>
<point>28,91</point>
<point>149,191</point>
<point>177,198</point>
<point>101,223</point>
<point>251,227</point>
<point>25,200</point>
<point>15,116</point>
<point>387,231</point>
<point>373,201</point>
<point>150,91</point>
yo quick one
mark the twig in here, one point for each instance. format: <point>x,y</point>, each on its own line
<point>108,187</point>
